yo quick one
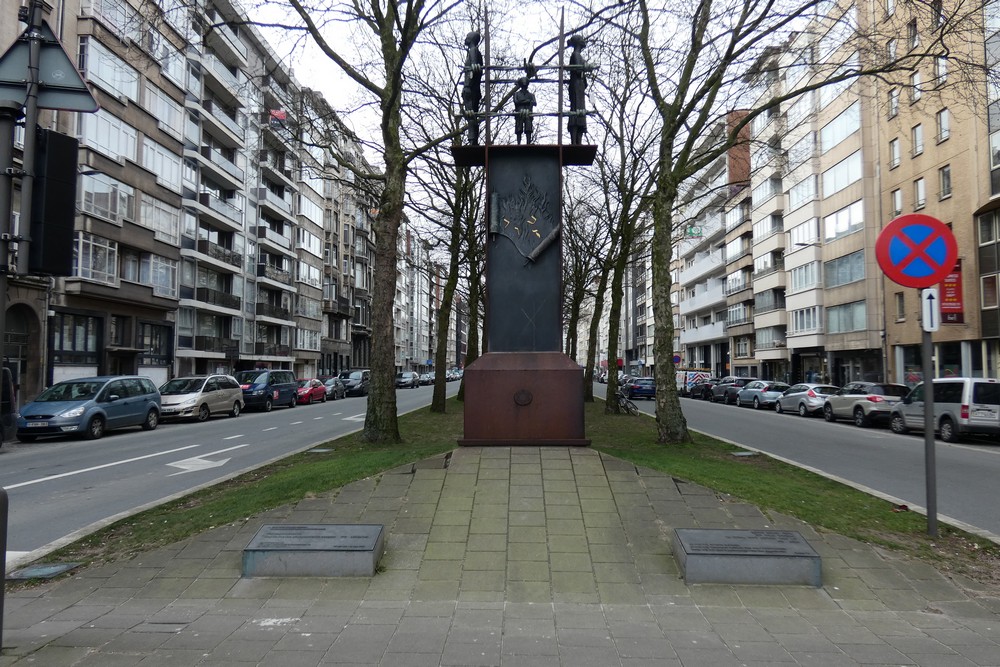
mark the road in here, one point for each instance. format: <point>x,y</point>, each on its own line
<point>875,459</point>
<point>61,490</point>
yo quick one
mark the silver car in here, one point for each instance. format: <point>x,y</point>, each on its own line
<point>201,396</point>
<point>864,402</point>
<point>805,398</point>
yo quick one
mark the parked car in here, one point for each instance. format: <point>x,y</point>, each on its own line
<point>310,390</point>
<point>864,402</point>
<point>961,405</point>
<point>703,389</point>
<point>263,388</point>
<point>805,398</point>
<point>727,390</point>
<point>334,388</point>
<point>90,406</point>
<point>760,393</point>
<point>640,388</point>
<point>426,378</point>
<point>200,396</point>
<point>356,382</point>
<point>408,380</point>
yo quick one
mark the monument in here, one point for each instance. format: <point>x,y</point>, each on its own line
<point>524,390</point>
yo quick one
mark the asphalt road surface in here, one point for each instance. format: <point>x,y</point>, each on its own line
<point>61,490</point>
<point>874,459</point>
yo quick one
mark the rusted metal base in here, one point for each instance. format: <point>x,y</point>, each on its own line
<point>524,398</point>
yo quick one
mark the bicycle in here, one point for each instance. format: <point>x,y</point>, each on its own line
<point>626,405</point>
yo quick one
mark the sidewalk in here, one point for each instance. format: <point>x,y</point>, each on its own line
<point>500,556</point>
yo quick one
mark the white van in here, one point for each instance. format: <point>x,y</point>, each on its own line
<point>961,405</point>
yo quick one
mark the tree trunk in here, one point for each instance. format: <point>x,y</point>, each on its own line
<point>671,426</point>
<point>595,322</point>
<point>614,328</point>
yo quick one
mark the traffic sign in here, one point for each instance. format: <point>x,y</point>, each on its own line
<point>916,250</point>
<point>930,309</point>
<point>60,86</point>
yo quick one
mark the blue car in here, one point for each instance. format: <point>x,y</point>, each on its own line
<point>640,388</point>
<point>90,406</point>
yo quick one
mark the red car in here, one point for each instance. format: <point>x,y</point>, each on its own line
<point>310,390</point>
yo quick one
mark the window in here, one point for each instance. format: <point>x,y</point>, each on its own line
<point>841,127</point>
<point>940,70</point>
<point>108,135</point>
<point>802,192</point>
<point>155,341</point>
<point>95,258</point>
<point>806,320</point>
<point>162,218</point>
<point>890,50</point>
<point>162,162</point>
<point>309,242</point>
<point>914,87</point>
<point>160,273</point>
<point>311,210</point>
<point>944,126</point>
<point>804,277</point>
<point>802,150</point>
<point>988,291</point>
<point>844,270</point>
<point>310,274</point>
<point>900,307</point>
<point>987,229</point>
<point>912,35</point>
<point>842,174</point>
<point>107,70</point>
<point>919,194</point>
<point>846,221</point>
<point>944,182</point>
<point>893,102</point>
<point>937,14</point>
<point>807,232</point>
<point>167,112</point>
<point>800,110</point>
<point>897,202</point>
<point>893,153</point>
<point>890,7</point>
<point>917,139</point>
<point>106,197</point>
<point>75,338</point>
<point>848,317</point>
<point>832,91</point>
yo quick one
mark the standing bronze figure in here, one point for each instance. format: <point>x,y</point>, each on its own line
<point>524,104</point>
<point>472,90</point>
<point>577,90</point>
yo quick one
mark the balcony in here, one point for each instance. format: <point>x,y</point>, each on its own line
<point>704,333</point>
<point>218,159</point>
<point>226,42</point>
<point>714,295</point>
<point>219,253</point>
<point>280,130</point>
<point>777,266</point>
<point>275,274</point>
<point>276,312</point>
<point>280,168</point>
<point>702,267</point>
<point>265,233</point>
<point>229,124</point>
<point>217,298</point>
<point>231,213</point>
<point>274,201</point>
<point>232,84</point>
<point>215,344</point>
<point>272,349</point>
<point>733,288</point>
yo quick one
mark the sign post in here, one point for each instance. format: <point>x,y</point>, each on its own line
<point>919,251</point>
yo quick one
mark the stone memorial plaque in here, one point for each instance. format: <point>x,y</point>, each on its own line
<point>314,550</point>
<point>746,557</point>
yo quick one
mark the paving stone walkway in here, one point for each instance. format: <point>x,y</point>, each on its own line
<point>505,556</point>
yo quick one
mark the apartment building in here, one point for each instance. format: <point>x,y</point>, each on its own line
<point>214,231</point>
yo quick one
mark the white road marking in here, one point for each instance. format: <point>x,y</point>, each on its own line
<point>270,428</point>
<point>316,419</point>
<point>356,418</point>
<point>200,462</point>
<point>100,467</point>
<point>294,423</point>
<point>233,437</point>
